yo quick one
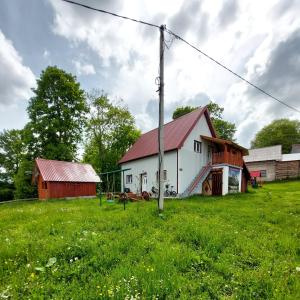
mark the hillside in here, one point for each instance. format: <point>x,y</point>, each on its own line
<point>243,246</point>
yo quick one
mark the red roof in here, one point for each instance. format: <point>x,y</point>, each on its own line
<point>175,133</point>
<point>55,170</point>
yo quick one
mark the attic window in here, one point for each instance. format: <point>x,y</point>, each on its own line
<point>197,146</point>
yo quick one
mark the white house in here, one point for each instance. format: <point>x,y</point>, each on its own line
<point>195,160</point>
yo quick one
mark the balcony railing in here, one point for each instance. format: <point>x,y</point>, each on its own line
<point>228,158</point>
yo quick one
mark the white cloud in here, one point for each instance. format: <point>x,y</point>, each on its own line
<point>84,69</point>
<point>241,35</point>
<point>16,80</point>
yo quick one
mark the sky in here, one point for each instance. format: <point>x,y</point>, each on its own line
<point>260,40</point>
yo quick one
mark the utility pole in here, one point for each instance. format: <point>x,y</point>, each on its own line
<point>161,122</point>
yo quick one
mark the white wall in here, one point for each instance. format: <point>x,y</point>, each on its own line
<point>189,161</point>
<point>225,180</point>
<point>149,165</point>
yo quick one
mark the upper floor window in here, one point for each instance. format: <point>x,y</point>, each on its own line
<point>165,175</point>
<point>197,146</point>
<point>129,179</point>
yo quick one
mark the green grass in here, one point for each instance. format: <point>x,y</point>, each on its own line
<point>243,246</point>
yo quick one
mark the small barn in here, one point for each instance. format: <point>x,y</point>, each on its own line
<point>62,179</point>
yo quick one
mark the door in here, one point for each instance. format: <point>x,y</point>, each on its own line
<point>217,182</point>
<point>144,183</point>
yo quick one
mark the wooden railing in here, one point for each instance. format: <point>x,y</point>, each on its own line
<point>229,158</point>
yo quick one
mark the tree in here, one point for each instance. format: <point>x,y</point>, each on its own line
<point>11,152</point>
<point>224,129</point>
<point>182,110</point>
<point>111,131</point>
<point>57,114</point>
<point>22,181</point>
<point>283,132</point>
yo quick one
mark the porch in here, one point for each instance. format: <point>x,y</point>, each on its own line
<point>225,152</point>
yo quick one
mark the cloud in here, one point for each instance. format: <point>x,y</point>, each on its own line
<point>16,80</point>
<point>281,75</point>
<point>84,69</point>
<point>228,13</point>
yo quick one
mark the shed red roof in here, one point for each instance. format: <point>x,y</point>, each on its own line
<point>55,170</point>
<point>175,133</point>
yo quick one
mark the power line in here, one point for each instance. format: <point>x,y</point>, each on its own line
<point>229,70</point>
<point>189,44</point>
<point>112,14</point>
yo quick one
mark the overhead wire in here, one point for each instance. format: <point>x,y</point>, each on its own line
<point>187,43</point>
<point>231,71</point>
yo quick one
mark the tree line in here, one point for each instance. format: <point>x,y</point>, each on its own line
<point>64,119</point>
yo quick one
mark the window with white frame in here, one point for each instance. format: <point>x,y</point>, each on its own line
<point>129,179</point>
<point>197,146</point>
<point>165,175</point>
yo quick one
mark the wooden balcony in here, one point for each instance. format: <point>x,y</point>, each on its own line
<point>227,158</point>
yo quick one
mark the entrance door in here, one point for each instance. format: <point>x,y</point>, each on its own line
<point>144,182</point>
<point>217,182</point>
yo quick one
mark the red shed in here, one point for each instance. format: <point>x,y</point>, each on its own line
<point>61,179</point>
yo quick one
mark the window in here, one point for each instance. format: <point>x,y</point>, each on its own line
<point>263,173</point>
<point>165,175</point>
<point>44,185</point>
<point>129,179</point>
<point>197,146</point>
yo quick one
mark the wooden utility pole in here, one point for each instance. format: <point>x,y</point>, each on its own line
<point>161,122</point>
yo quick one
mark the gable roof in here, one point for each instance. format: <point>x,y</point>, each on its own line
<point>55,170</point>
<point>263,154</point>
<point>175,134</point>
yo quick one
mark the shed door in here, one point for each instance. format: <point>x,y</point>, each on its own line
<point>217,183</point>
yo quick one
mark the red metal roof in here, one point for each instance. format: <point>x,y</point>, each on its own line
<point>175,133</point>
<point>55,170</point>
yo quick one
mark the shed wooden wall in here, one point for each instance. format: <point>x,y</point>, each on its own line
<point>66,189</point>
<point>287,169</point>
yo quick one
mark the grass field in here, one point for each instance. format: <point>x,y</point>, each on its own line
<point>235,247</point>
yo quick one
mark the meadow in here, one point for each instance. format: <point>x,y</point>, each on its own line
<point>244,246</point>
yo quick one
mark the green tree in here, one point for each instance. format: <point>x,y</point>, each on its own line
<point>57,114</point>
<point>182,110</point>
<point>23,181</point>
<point>224,129</point>
<point>283,132</point>
<point>11,152</point>
<point>111,131</point>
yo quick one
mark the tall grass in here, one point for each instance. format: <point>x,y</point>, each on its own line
<point>243,246</point>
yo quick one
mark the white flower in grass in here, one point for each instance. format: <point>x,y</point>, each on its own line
<point>298,269</point>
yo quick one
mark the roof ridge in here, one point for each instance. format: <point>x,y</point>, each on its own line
<point>62,161</point>
<point>174,120</point>
<point>266,147</point>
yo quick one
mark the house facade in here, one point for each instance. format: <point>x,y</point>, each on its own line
<point>61,179</point>
<point>269,164</point>
<point>195,161</point>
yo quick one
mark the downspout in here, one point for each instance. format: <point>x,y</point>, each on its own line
<point>177,170</point>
